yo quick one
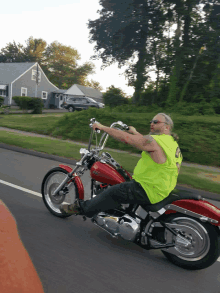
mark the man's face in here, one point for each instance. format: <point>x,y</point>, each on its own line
<point>158,128</point>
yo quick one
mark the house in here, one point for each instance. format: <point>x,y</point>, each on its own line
<point>76,90</point>
<point>20,79</point>
<point>28,79</point>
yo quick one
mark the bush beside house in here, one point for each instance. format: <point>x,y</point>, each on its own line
<point>1,101</point>
<point>29,103</point>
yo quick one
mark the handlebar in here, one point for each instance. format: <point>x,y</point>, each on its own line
<point>123,125</point>
<point>92,122</point>
<point>120,123</point>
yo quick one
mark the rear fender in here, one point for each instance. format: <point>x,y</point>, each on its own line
<point>77,180</point>
<point>201,209</point>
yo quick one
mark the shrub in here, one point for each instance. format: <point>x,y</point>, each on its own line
<point>135,109</point>
<point>29,103</point>
<point>37,105</point>
<point>190,110</point>
<point>114,97</point>
<point>22,102</point>
<point>1,101</point>
<point>216,105</point>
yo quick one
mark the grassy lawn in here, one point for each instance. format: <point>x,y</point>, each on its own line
<point>188,175</point>
<point>41,124</point>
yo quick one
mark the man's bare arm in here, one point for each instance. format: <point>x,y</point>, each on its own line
<point>145,143</point>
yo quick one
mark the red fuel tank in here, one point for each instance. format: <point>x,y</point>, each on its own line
<point>105,173</point>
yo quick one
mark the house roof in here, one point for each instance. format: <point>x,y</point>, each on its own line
<point>10,71</point>
<point>89,92</point>
<point>59,91</point>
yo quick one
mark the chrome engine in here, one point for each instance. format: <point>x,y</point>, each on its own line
<point>125,226</point>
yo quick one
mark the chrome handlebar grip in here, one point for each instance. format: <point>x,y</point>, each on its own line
<point>92,122</point>
<point>125,126</point>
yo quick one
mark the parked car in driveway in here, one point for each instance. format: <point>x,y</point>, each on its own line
<point>79,104</point>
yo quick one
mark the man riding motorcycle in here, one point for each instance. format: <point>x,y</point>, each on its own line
<point>155,174</point>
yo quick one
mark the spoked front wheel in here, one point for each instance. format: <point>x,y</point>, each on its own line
<point>68,195</point>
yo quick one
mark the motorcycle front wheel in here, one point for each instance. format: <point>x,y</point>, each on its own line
<point>50,182</point>
<point>204,247</point>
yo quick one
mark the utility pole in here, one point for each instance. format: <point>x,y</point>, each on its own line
<point>36,82</point>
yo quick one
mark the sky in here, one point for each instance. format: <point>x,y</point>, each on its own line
<point>64,21</point>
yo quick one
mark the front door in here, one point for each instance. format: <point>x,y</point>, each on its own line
<point>61,100</point>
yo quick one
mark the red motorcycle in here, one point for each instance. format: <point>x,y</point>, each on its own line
<point>184,226</point>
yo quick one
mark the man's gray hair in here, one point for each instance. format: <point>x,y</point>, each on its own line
<point>169,121</point>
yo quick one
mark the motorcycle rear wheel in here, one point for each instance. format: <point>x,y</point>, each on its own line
<point>205,243</point>
<point>50,182</point>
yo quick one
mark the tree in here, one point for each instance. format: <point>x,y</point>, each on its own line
<point>121,34</point>
<point>205,67</point>
<point>94,84</point>
<point>62,67</point>
<point>114,97</point>
<point>59,62</point>
<point>13,53</point>
<point>35,49</point>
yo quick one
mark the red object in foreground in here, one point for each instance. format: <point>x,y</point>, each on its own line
<point>17,272</point>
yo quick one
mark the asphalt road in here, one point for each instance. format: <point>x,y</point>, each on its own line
<point>71,255</point>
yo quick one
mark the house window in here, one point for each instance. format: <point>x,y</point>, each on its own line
<point>44,95</point>
<point>23,91</point>
<point>3,93</point>
<point>34,75</point>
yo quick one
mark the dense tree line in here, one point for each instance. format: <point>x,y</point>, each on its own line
<point>59,62</point>
<point>138,34</point>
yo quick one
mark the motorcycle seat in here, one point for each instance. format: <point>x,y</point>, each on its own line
<point>173,196</point>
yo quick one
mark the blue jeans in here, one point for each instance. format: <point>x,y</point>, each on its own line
<point>124,193</point>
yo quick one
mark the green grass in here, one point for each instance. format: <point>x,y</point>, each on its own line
<point>44,145</point>
<point>70,150</point>
<point>31,123</point>
<point>195,132</point>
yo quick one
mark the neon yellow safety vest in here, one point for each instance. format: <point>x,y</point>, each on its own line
<point>158,180</point>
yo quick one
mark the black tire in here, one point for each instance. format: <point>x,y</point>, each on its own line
<point>71,109</point>
<point>208,249</point>
<point>52,203</point>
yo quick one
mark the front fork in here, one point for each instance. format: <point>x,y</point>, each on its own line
<point>68,178</point>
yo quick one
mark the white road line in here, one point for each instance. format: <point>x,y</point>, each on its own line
<point>21,188</point>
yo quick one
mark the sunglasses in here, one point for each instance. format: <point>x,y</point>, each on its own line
<point>156,121</point>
